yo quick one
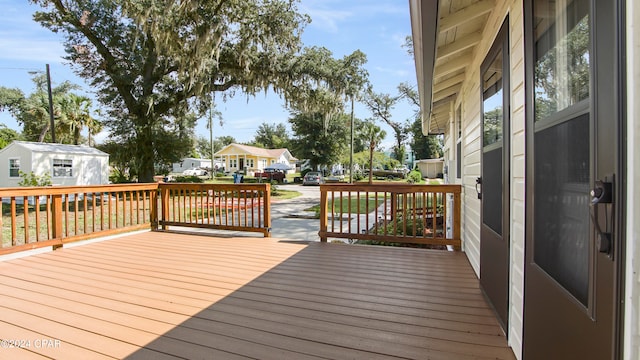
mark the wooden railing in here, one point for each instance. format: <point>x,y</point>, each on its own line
<point>239,207</point>
<point>418,214</point>
<point>35,217</point>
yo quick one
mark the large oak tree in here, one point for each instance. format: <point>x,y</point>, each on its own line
<point>155,63</point>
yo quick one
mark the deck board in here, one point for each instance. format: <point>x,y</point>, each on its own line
<point>169,295</point>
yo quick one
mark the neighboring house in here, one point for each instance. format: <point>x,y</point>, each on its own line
<point>190,163</point>
<point>430,168</point>
<point>538,104</point>
<point>66,164</point>
<point>251,159</point>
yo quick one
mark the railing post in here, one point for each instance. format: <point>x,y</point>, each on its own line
<point>13,221</point>
<point>164,201</point>
<point>56,218</point>
<point>394,205</point>
<point>267,210</point>
<point>153,205</point>
<point>457,218</point>
<point>323,213</point>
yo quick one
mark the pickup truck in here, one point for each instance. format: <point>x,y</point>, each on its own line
<point>389,174</point>
<point>270,175</point>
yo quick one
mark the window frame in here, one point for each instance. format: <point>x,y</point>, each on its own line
<point>68,170</point>
<point>17,174</point>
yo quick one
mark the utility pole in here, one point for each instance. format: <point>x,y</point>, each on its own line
<point>211,139</point>
<point>53,127</point>
<point>351,147</point>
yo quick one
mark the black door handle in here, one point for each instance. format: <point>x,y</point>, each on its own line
<point>602,193</point>
<point>479,182</point>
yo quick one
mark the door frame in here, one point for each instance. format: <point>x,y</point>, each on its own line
<point>499,273</point>
<point>619,223</point>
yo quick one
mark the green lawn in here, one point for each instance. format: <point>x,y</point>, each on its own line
<point>351,205</point>
<point>96,219</point>
<point>285,194</point>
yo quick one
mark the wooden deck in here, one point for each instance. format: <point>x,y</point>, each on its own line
<point>160,295</point>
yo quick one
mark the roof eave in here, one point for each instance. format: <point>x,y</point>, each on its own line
<point>424,30</point>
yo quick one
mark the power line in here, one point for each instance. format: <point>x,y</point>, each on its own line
<point>16,68</point>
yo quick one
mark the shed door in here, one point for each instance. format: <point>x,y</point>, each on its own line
<point>91,172</point>
<point>572,149</point>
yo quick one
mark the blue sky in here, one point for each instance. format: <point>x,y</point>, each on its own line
<point>376,27</point>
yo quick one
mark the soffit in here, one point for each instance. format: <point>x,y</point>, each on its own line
<point>460,24</point>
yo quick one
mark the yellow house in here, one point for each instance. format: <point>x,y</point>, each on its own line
<point>251,159</point>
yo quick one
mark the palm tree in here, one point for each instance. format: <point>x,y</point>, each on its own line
<point>373,135</point>
<point>37,108</point>
<point>93,127</point>
<point>75,115</point>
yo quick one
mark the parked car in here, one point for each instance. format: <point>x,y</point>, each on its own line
<point>313,178</point>
<point>195,172</point>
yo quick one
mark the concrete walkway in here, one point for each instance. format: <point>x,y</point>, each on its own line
<point>289,220</point>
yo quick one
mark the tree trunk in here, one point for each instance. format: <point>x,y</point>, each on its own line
<point>76,135</point>
<point>43,133</point>
<point>146,161</point>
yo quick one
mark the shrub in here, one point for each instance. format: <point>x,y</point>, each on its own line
<point>32,179</point>
<point>189,179</point>
<point>274,188</point>
<point>414,177</point>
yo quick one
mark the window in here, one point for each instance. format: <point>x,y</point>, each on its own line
<point>264,163</point>
<point>14,167</point>
<point>493,102</point>
<point>233,163</point>
<point>250,163</point>
<point>62,168</point>
<point>561,72</point>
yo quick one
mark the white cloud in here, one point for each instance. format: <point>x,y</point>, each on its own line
<point>28,49</point>
<point>324,14</point>
<point>23,39</point>
<point>249,123</point>
<point>326,19</point>
<point>398,38</point>
<point>100,137</point>
<point>395,72</point>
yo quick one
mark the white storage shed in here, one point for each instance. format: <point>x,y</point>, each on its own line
<point>66,164</point>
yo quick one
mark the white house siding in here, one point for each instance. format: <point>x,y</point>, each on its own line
<point>472,148</point>
<point>518,174</point>
<point>190,163</point>
<point>632,271</point>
